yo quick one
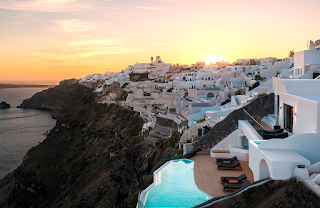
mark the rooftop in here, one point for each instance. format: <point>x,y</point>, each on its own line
<point>283,155</point>
<point>200,104</point>
<point>315,97</point>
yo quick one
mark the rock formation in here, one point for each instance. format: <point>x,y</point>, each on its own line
<point>93,157</point>
<point>4,105</point>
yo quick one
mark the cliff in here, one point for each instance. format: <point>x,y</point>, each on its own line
<point>66,95</point>
<point>277,194</point>
<point>93,157</point>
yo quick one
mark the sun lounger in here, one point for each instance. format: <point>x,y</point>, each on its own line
<point>230,160</point>
<point>239,179</point>
<point>231,166</point>
<point>277,135</point>
<point>273,132</point>
<point>234,186</point>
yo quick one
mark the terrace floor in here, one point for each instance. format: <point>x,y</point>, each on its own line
<point>207,176</point>
<point>265,126</point>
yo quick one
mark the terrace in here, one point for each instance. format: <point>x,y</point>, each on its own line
<point>207,175</point>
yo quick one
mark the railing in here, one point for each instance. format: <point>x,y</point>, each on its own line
<point>253,122</point>
<point>139,204</point>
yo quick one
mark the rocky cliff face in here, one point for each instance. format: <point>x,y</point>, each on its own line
<point>93,157</point>
<point>66,95</point>
<point>278,194</point>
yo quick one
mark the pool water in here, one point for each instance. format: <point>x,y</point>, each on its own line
<point>177,187</point>
<point>258,142</point>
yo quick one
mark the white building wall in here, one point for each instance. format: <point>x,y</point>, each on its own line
<point>305,113</point>
<point>303,58</point>
<point>307,145</point>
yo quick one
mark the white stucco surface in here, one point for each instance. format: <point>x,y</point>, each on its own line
<point>315,97</point>
<point>284,155</point>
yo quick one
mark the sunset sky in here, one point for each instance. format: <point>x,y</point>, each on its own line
<point>44,41</point>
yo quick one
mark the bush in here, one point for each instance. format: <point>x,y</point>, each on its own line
<point>258,77</point>
<point>238,92</point>
<point>206,129</point>
<point>263,94</point>
<point>171,141</point>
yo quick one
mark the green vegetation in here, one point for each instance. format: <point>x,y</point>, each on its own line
<point>206,129</point>
<point>172,140</point>
<point>241,91</point>
<point>263,94</point>
<point>291,53</point>
<point>258,77</point>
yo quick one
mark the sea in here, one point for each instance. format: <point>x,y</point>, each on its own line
<point>20,129</point>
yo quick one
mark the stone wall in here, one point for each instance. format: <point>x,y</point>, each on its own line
<point>136,77</point>
<point>259,107</point>
<point>163,128</point>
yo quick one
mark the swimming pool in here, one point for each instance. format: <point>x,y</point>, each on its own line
<point>177,187</point>
<point>258,142</point>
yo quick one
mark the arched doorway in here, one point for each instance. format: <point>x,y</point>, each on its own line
<point>263,170</point>
<point>210,94</point>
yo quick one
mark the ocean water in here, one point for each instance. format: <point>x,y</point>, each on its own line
<point>20,129</point>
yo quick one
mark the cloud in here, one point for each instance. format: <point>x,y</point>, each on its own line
<point>65,56</point>
<point>45,5</point>
<point>66,50</point>
<point>173,1</point>
<point>159,44</point>
<point>19,38</point>
<point>152,8</point>
<point>96,42</point>
<point>74,25</point>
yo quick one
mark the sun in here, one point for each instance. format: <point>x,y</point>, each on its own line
<point>211,60</point>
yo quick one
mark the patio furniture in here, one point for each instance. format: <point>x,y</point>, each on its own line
<point>239,179</point>
<point>278,135</point>
<point>273,132</point>
<point>231,166</point>
<point>230,160</point>
<point>234,186</point>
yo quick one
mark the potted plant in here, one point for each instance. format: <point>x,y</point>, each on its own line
<point>276,127</point>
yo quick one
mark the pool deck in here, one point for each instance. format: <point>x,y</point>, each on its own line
<point>207,176</point>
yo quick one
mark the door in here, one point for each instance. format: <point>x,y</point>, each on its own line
<point>288,117</point>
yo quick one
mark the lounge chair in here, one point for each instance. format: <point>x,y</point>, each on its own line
<point>278,135</point>
<point>273,132</point>
<point>230,160</point>
<point>231,166</point>
<point>240,179</point>
<point>234,186</point>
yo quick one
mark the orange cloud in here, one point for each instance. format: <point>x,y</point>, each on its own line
<point>45,5</point>
<point>74,25</point>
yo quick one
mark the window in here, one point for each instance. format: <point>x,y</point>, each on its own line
<point>288,117</point>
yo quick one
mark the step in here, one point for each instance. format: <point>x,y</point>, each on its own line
<point>203,152</point>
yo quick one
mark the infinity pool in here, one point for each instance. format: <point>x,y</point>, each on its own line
<point>258,142</point>
<point>177,187</point>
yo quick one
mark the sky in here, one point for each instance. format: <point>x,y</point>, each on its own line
<point>45,41</point>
